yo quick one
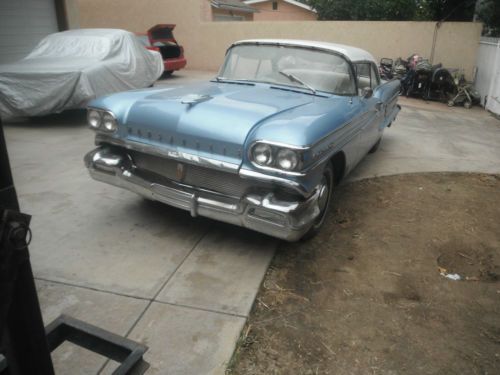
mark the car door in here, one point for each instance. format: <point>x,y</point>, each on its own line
<point>368,81</point>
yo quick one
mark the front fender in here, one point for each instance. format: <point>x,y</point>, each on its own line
<point>323,128</point>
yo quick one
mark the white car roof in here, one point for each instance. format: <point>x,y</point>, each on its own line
<point>352,53</point>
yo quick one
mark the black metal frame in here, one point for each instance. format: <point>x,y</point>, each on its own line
<point>98,340</point>
<point>3,363</point>
<point>25,345</point>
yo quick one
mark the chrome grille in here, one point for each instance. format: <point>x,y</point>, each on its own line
<point>201,177</point>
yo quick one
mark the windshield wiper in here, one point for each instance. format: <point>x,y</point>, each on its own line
<point>294,78</point>
<point>224,79</point>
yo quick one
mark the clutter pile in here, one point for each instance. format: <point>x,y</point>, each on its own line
<point>419,78</point>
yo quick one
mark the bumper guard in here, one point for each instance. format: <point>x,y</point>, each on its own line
<point>287,220</point>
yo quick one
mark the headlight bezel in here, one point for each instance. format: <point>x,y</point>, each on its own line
<point>103,114</point>
<point>90,113</point>
<point>284,155</point>
<point>264,148</point>
<point>277,149</point>
<point>108,118</point>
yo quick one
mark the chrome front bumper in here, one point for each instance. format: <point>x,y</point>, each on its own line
<point>288,220</point>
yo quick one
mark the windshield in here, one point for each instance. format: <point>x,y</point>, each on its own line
<point>293,66</point>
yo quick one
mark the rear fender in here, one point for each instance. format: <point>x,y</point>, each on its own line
<point>388,94</point>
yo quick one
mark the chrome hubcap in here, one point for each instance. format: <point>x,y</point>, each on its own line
<point>323,196</point>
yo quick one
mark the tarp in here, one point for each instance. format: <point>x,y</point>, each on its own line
<point>67,69</point>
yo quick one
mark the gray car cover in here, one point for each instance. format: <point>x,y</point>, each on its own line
<point>67,69</point>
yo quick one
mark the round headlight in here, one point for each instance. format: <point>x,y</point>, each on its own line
<point>287,159</point>
<point>109,122</point>
<point>262,154</point>
<point>94,119</point>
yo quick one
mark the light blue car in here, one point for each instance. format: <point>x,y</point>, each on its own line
<point>262,145</point>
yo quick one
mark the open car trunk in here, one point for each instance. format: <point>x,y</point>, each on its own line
<point>162,37</point>
<point>168,50</point>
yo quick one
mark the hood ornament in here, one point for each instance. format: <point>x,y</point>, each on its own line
<point>193,99</point>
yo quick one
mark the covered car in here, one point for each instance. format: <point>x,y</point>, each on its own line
<point>67,69</point>
<point>262,145</point>
<point>161,38</point>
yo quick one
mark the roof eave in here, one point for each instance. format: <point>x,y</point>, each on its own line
<point>293,2</point>
<point>242,9</point>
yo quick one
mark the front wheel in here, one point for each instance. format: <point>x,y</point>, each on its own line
<point>324,199</point>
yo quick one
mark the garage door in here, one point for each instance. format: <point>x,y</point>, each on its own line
<point>23,23</point>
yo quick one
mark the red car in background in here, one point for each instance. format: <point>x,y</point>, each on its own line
<point>161,38</point>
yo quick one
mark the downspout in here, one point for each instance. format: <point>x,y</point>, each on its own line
<point>436,29</point>
<point>434,40</point>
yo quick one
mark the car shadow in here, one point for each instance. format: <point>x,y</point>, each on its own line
<point>73,117</point>
<point>159,210</point>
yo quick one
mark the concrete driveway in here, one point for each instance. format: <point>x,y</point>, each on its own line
<point>183,286</point>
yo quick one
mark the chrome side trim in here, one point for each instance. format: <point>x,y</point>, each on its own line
<point>277,170</point>
<point>281,144</point>
<point>248,173</point>
<point>345,126</point>
<point>344,134</point>
<point>169,153</point>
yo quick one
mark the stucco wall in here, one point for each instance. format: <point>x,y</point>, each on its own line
<point>71,7</point>
<point>285,12</point>
<point>205,42</point>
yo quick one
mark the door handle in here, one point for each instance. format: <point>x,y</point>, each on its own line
<point>378,106</point>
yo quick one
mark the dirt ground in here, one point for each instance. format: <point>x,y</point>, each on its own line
<point>369,294</point>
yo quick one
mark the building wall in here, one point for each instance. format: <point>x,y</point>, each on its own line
<point>138,16</point>
<point>206,42</point>
<point>72,13</point>
<point>285,12</point>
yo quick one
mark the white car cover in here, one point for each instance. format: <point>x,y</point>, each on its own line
<point>67,69</point>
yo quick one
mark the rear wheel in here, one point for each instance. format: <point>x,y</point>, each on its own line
<point>324,199</point>
<point>167,73</point>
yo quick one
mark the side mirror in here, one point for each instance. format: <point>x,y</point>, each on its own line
<point>367,92</point>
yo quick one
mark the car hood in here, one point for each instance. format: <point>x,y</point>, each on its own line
<point>210,119</point>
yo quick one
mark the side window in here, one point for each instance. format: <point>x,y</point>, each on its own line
<point>363,75</point>
<point>366,75</point>
<point>375,79</point>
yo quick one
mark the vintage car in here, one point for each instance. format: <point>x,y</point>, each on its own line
<point>262,145</point>
<point>68,69</point>
<point>160,38</point>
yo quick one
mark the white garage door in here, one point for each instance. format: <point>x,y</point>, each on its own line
<point>23,23</point>
<point>493,103</point>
